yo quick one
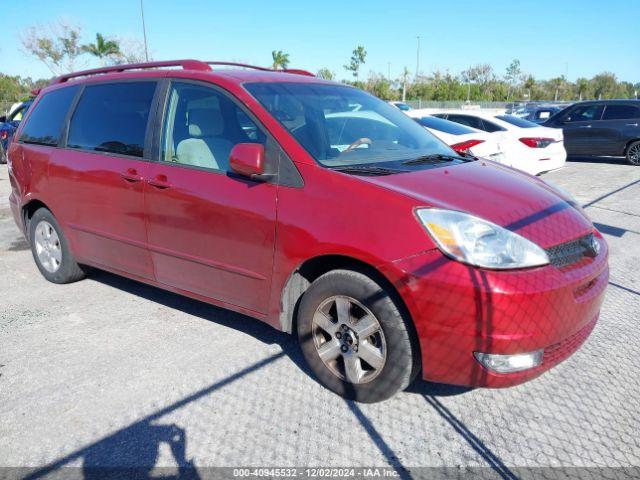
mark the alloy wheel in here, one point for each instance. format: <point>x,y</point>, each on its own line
<point>634,154</point>
<point>48,247</point>
<point>349,339</point>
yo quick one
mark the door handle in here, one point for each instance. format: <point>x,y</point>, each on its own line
<point>131,175</point>
<point>159,182</point>
<point>632,124</point>
<point>585,126</point>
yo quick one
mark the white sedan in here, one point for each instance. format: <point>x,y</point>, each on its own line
<point>527,146</point>
<point>461,138</point>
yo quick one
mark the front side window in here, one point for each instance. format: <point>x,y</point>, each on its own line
<point>620,112</point>
<point>112,118</point>
<point>202,125</point>
<point>585,113</point>
<point>343,126</point>
<point>45,123</point>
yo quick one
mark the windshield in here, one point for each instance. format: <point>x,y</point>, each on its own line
<point>518,122</point>
<point>344,126</point>
<point>445,126</point>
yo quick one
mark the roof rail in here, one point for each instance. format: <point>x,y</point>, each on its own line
<point>185,64</point>
<point>294,71</point>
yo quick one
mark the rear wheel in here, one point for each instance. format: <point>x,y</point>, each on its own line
<point>633,153</point>
<point>51,250</point>
<point>355,338</point>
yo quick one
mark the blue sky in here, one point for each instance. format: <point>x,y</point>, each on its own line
<point>550,37</point>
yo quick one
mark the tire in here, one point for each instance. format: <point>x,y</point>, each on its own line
<point>633,153</point>
<point>3,154</point>
<point>321,329</point>
<point>50,249</point>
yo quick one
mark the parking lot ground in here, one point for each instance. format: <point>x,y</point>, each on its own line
<point>110,372</point>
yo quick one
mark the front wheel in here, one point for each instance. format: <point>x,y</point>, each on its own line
<point>633,153</point>
<point>355,338</point>
<point>51,250</point>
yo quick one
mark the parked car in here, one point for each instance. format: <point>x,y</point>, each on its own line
<point>461,138</point>
<point>538,114</point>
<point>390,258</point>
<point>528,147</point>
<point>603,128</point>
<point>8,126</point>
<point>400,105</point>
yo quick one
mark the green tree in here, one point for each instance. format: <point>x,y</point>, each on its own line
<point>280,60</point>
<point>103,49</point>
<point>326,74</point>
<point>512,75</point>
<point>358,57</point>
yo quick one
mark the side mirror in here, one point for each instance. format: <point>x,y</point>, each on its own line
<point>3,118</point>
<point>247,159</point>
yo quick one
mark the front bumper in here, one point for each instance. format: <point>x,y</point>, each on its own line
<point>458,310</point>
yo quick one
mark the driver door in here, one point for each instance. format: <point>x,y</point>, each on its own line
<point>210,232</point>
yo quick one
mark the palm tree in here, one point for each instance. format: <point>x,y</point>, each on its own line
<point>280,59</point>
<point>529,83</point>
<point>103,48</point>
<point>582,84</point>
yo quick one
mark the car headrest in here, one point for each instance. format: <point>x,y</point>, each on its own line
<point>205,122</point>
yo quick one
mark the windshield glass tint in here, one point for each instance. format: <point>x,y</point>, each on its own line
<point>518,122</point>
<point>340,125</point>
<point>445,126</point>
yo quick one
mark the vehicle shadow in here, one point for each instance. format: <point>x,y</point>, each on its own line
<point>587,159</point>
<point>227,318</point>
<point>248,325</point>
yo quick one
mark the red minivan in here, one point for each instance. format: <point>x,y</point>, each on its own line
<point>312,206</point>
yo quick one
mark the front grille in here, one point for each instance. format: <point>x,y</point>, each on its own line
<point>571,252</point>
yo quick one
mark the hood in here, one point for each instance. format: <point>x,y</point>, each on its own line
<point>509,198</point>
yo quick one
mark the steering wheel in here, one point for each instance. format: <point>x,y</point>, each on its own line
<point>357,143</point>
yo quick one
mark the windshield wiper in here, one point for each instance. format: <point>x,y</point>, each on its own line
<point>367,170</point>
<point>436,158</point>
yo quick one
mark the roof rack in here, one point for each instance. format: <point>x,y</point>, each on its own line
<point>294,71</point>
<point>185,64</point>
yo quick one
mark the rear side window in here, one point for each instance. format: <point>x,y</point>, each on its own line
<point>444,125</point>
<point>473,122</point>
<point>620,112</point>
<point>518,122</point>
<point>112,118</point>
<point>44,125</point>
<point>491,127</point>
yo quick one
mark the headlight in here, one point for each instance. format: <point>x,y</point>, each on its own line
<point>478,242</point>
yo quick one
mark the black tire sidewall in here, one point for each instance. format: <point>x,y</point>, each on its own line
<point>399,366</point>
<point>3,155</point>
<point>69,269</point>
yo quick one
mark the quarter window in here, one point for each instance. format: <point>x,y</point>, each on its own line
<point>620,112</point>
<point>44,125</point>
<point>112,118</point>
<point>202,125</point>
